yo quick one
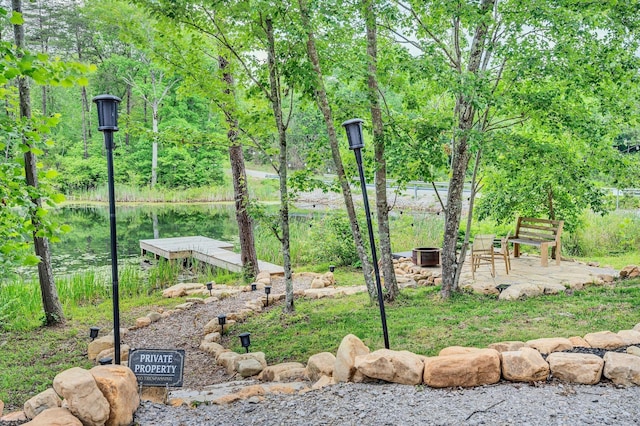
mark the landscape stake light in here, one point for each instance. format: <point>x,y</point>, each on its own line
<point>267,291</point>
<point>245,340</point>
<point>93,332</point>
<point>254,286</point>
<point>209,287</point>
<point>353,128</point>
<point>222,320</point>
<point>107,106</point>
<point>332,268</point>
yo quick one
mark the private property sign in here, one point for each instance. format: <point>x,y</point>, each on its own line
<point>157,367</point>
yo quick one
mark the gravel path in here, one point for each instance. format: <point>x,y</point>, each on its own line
<point>391,404</point>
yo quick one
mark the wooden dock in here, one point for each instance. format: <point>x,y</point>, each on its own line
<point>214,252</point>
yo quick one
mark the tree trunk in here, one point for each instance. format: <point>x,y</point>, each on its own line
<point>382,207</point>
<point>50,301</point>
<point>465,113</point>
<point>154,149</point>
<point>127,135</point>
<point>85,124</point>
<point>240,188</point>
<point>276,104</point>
<point>323,105</point>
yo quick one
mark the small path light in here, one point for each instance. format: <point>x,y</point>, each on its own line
<point>254,286</point>
<point>332,268</point>
<point>93,332</point>
<point>107,106</point>
<point>267,291</point>
<point>222,320</point>
<point>353,128</point>
<point>502,287</point>
<point>245,340</point>
<point>209,287</point>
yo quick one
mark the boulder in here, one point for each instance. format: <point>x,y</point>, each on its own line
<point>524,365</point>
<point>1,407</point>
<point>110,353</point>
<point>322,382</point>
<point>550,344</point>
<point>142,322</point>
<point>258,356</point>
<point>633,350</point>
<point>82,395</point>
<point>579,342</point>
<point>472,369</point>
<point>119,386</point>
<point>630,271</point>
<point>554,288</point>
<point>183,306</point>
<point>293,375</point>
<point>181,289</point>
<point>320,365</point>
<point>457,350</point>
<point>211,337</point>
<point>517,291</point>
<point>401,367</point>
<point>213,348</point>
<point>248,367</point>
<point>42,401</point>
<point>275,373</point>
<point>55,417</point>
<point>604,340</point>
<point>622,369</point>
<point>630,337</point>
<point>637,327</point>
<point>317,283</point>
<point>226,360</point>
<point>99,345</point>
<point>507,346</point>
<point>264,277</point>
<point>15,416</point>
<point>156,316</point>
<point>344,369</point>
<point>328,279</point>
<point>585,369</point>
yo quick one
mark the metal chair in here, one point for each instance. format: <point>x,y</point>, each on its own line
<point>482,251</point>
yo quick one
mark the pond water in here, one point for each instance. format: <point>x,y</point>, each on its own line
<point>88,244</point>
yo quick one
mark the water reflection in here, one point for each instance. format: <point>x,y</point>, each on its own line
<point>88,245</point>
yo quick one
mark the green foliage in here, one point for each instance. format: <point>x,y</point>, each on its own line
<point>613,234</point>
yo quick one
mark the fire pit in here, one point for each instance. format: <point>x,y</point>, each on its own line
<point>426,256</point>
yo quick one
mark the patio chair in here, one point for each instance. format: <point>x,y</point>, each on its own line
<point>482,252</point>
<point>503,251</point>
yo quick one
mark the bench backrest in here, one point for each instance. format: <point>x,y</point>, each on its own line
<point>539,229</point>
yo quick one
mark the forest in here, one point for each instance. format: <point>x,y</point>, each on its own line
<point>533,102</point>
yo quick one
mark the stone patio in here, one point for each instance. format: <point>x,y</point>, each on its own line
<point>528,278</point>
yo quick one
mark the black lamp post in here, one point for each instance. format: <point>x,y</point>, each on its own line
<point>93,332</point>
<point>267,291</point>
<point>107,106</point>
<point>209,287</point>
<point>245,340</point>
<point>222,320</point>
<point>353,128</point>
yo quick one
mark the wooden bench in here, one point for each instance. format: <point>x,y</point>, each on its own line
<point>541,233</point>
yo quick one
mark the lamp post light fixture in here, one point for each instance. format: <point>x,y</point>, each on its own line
<point>267,291</point>
<point>353,128</point>
<point>222,320</point>
<point>93,332</point>
<point>107,106</point>
<point>245,340</point>
<point>209,287</point>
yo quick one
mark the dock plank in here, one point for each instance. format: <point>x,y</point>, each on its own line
<point>214,252</point>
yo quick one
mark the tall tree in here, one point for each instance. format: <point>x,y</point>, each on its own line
<point>323,104</point>
<point>382,206</point>
<point>50,300</point>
